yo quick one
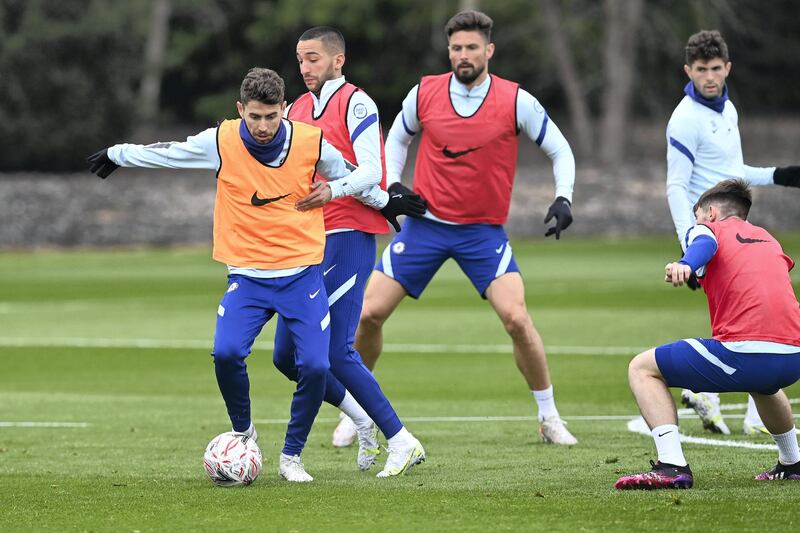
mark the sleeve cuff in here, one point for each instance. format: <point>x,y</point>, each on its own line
<point>337,191</point>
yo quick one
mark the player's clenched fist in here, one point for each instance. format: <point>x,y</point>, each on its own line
<point>677,273</point>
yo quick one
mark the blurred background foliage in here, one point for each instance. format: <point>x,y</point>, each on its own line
<point>77,75</point>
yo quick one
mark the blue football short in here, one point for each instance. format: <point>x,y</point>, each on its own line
<point>416,253</point>
<point>706,365</point>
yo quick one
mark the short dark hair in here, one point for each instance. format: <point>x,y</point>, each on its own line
<point>331,38</point>
<point>470,21</point>
<point>706,45</point>
<point>732,198</point>
<point>263,85</point>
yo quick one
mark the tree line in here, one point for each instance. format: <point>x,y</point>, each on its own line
<point>76,75</point>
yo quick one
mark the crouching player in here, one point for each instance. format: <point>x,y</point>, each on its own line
<point>755,344</point>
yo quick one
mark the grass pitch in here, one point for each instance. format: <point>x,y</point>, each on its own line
<point>108,398</point>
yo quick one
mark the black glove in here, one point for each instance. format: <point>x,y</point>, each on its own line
<point>693,283</point>
<point>559,209</point>
<point>100,164</point>
<point>403,201</point>
<point>787,176</point>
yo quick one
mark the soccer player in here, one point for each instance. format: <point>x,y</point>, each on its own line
<point>755,322</point>
<point>469,122</point>
<point>270,232</point>
<point>704,148</point>
<point>349,120</point>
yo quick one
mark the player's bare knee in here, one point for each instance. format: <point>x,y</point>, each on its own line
<point>372,317</point>
<point>517,322</point>
<point>643,366</point>
<point>634,372</point>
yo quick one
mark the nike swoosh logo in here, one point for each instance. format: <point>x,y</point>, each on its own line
<point>313,295</point>
<point>665,433</point>
<point>325,272</point>
<point>255,200</point>
<point>499,249</point>
<point>453,155</point>
<point>747,240</point>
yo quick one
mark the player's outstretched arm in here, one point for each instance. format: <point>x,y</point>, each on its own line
<point>561,210</point>
<point>196,152</point>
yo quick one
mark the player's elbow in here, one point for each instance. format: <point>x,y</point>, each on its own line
<point>563,155</point>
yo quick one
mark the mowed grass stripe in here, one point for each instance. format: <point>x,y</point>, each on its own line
<point>88,342</point>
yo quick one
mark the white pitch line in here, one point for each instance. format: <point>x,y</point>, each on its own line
<point>43,424</point>
<point>445,349</point>
<point>639,426</point>
<point>476,419</point>
<point>91,342</point>
<point>728,407</point>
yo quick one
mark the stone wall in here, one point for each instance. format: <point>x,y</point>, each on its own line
<point>141,207</point>
<point>155,207</point>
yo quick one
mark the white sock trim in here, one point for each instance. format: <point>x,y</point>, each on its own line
<point>546,402</point>
<point>401,437</point>
<point>668,444</point>
<point>788,449</point>
<point>351,408</point>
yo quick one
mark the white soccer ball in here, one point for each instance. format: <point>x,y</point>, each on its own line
<point>232,459</point>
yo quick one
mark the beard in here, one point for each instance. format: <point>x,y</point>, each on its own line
<point>320,80</point>
<point>468,76</point>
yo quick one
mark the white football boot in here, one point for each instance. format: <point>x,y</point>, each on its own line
<point>754,428</point>
<point>250,432</point>
<point>553,431</point>
<point>402,458</point>
<point>753,425</point>
<point>345,433</point>
<point>707,408</point>
<point>292,469</point>
<point>368,447</point>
